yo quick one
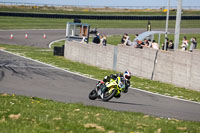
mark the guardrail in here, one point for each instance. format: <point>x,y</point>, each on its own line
<point>98,17</point>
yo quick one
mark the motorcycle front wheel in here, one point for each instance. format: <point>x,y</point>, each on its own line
<point>93,95</point>
<point>107,96</point>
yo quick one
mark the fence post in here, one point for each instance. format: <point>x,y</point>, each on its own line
<point>178,24</point>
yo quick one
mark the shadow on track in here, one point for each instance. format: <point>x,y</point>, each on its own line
<point>126,103</point>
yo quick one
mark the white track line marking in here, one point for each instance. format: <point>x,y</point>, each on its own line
<point>54,42</point>
<point>97,79</point>
<point>26,67</point>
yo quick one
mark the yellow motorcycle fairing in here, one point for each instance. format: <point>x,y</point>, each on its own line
<point>114,84</point>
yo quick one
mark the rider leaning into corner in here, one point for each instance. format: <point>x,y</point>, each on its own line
<point>125,80</point>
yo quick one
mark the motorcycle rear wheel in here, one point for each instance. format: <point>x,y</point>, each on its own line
<point>93,95</point>
<point>108,96</point>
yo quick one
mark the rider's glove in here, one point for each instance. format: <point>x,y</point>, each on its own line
<point>106,79</point>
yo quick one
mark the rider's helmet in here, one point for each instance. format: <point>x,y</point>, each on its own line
<point>127,75</point>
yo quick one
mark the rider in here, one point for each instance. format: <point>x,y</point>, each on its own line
<point>125,78</point>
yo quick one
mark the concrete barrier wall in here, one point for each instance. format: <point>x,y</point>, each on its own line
<point>179,68</point>
<point>175,67</point>
<point>139,61</point>
<point>195,71</point>
<point>91,54</point>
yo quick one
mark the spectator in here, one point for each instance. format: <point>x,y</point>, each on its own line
<point>184,44</point>
<point>123,38</point>
<point>129,43</point>
<point>171,45</point>
<point>139,44</point>
<point>136,35</point>
<point>146,43</point>
<point>193,44</point>
<point>96,39</point>
<point>103,40</point>
<point>126,40</point>
<point>150,43</point>
<point>155,45</point>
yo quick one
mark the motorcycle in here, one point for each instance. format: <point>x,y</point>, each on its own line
<point>107,91</point>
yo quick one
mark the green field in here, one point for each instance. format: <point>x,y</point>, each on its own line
<point>19,114</point>
<point>49,23</point>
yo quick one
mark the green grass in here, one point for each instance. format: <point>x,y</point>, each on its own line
<point>49,23</point>
<point>144,84</point>
<point>19,114</point>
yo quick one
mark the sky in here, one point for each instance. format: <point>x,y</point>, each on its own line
<point>149,3</point>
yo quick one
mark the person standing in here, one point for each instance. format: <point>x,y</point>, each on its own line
<point>155,45</point>
<point>150,43</point>
<point>193,44</point>
<point>123,39</point>
<point>126,41</point>
<point>171,45</point>
<point>103,40</point>
<point>96,39</point>
<point>184,43</point>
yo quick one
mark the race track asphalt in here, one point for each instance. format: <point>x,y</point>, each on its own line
<point>35,37</point>
<point>26,77</point>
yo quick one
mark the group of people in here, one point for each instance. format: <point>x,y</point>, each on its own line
<point>147,43</point>
<point>125,41</point>
<point>185,44</point>
<point>100,39</point>
<point>169,44</point>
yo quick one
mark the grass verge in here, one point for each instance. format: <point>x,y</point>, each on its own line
<point>46,56</point>
<point>22,114</point>
<point>49,23</point>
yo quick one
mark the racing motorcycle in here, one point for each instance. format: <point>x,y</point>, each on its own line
<point>107,91</point>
